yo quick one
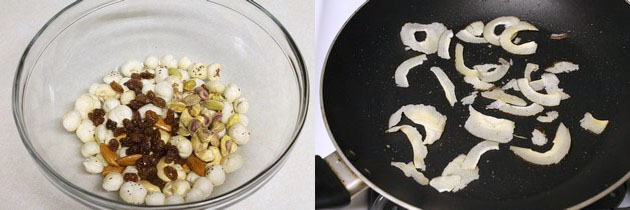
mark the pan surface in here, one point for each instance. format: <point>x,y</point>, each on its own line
<point>359,95</point>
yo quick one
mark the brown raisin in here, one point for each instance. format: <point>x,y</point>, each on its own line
<point>150,117</point>
<point>150,95</point>
<point>116,87</point>
<point>135,85</point>
<point>142,98</point>
<point>97,116</point>
<point>113,144</point>
<point>159,102</point>
<point>111,125</point>
<point>136,76</point>
<point>119,131</point>
<point>135,105</point>
<point>133,149</point>
<point>146,75</point>
<point>131,177</point>
<point>170,172</point>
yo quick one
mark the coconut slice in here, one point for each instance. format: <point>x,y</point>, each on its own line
<point>509,34</point>
<point>473,156</point>
<point>550,99</point>
<point>538,137</point>
<point>511,85</point>
<point>466,36</point>
<point>475,28</point>
<point>400,76</point>
<point>478,84</point>
<point>498,94</point>
<point>491,76</point>
<point>459,62</point>
<point>424,115</point>
<point>530,110</point>
<point>470,99</point>
<point>447,85</point>
<point>415,139</point>
<point>488,30</point>
<point>488,127</point>
<point>550,116</point>
<point>445,183</point>
<point>444,44</point>
<point>410,171</point>
<point>593,125</point>
<point>550,83</point>
<point>529,68</point>
<point>561,145</point>
<point>562,67</point>
<point>454,168</point>
<point>430,44</point>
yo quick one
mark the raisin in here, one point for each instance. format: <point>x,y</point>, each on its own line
<point>154,179</point>
<point>113,144</point>
<point>133,149</point>
<point>142,98</point>
<point>97,116</point>
<point>150,117</point>
<point>159,102</point>
<point>119,131</point>
<point>150,95</point>
<point>116,87</point>
<point>170,117</point>
<point>135,85</point>
<point>111,125</point>
<point>146,75</point>
<point>170,172</point>
<point>131,177</point>
<point>135,105</point>
<point>135,137</point>
<point>136,76</point>
<point>128,125</point>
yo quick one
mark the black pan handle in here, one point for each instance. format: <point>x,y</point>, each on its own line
<point>329,191</point>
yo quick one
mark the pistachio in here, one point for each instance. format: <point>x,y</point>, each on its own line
<point>177,107</point>
<point>215,105</point>
<point>164,136</point>
<point>191,99</point>
<point>205,119</point>
<point>217,156</point>
<point>217,127</point>
<point>202,92</point>
<point>190,84</point>
<point>227,146</point>
<point>195,110</point>
<point>217,98</point>
<point>174,72</point>
<point>194,125</point>
<point>182,131</point>
<point>235,118</point>
<point>207,112</point>
<point>196,144</point>
<point>185,117</point>
<point>207,136</point>
<point>217,117</point>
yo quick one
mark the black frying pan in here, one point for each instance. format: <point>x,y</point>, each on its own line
<point>359,95</point>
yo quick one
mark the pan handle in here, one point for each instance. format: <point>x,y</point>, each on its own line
<point>335,183</point>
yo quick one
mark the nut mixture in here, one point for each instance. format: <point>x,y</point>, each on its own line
<point>164,131</point>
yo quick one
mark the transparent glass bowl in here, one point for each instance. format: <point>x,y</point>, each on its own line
<point>88,38</point>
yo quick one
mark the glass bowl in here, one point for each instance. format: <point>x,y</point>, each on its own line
<point>86,39</point>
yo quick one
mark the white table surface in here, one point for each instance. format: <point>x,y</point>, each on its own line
<point>24,187</point>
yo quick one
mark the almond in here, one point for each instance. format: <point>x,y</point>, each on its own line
<point>108,169</point>
<point>129,160</point>
<point>109,155</point>
<point>162,125</point>
<point>196,165</point>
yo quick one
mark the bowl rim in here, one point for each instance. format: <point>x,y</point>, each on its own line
<point>227,198</point>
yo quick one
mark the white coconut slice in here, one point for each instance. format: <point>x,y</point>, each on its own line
<point>499,94</point>
<point>455,168</point>
<point>470,99</point>
<point>593,125</point>
<point>488,30</point>
<point>511,85</point>
<point>491,76</point>
<point>430,44</point>
<point>560,148</point>
<point>550,116</point>
<point>445,183</point>
<point>478,84</point>
<point>509,34</point>
<point>530,110</point>
<point>415,139</point>
<point>529,68</point>
<point>538,137</point>
<point>475,28</point>
<point>466,36</point>
<point>410,171</point>
<point>562,67</point>
<point>550,99</point>
<point>444,44</point>
<point>400,76</point>
<point>473,156</point>
<point>447,85</point>
<point>459,62</point>
<point>424,115</point>
<point>488,127</point>
<point>550,82</point>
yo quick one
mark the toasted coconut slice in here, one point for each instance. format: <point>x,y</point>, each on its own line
<point>415,139</point>
<point>498,94</point>
<point>447,85</point>
<point>430,44</point>
<point>508,35</point>
<point>488,127</point>
<point>400,76</point>
<point>473,156</point>
<point>488,30</point>
<point>561,145</point>
<point>593,125</point>
<point>459,62</point>
<point>410,171</point>
<point>562,67</point>
<point>444,44</point>
<point>550,99</point>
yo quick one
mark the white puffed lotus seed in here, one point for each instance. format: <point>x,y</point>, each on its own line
<point>122,151</point>
<point>127,97</point>
<point>194,195</point>
<point>161,73</point>
<point>174,199</point>
<point>89,149</point>
<point>184,146</point>
<point>132,192</point>
<point>244,120</point>
<point>151,62</point>
<point>239,134</point>
<point>102,159</point>
<point>232,92</point>
<point>181,175</point>
<point>214,72</point>
<point>166,59</point>
<point>103,135</point>
<point>180,187</point>
<point>198,70</point>
<point>184,63</point>
<point>168,189</point>
<point>155,199</point>
<point>216,175</point>
<point>130,67</point>
<point>198,82</point>
<point>112,181</point>
<point>205,185</point>
<point>104,92</point>
<point>192,177</point>
<point>110,104</point>
<point>142,110</point>
<point>86,131</point>
<point>122,83</point>
<point>93,165</point>
<point>241,105</point>
<point>120,113</point>
<point>84,105</point>
<point>112,76</point>
<point>232,163</point>
<point>93,87</point>
<point>71,120</point>
<point>227,111</point>
<point>215,86</point>
<point>164,90</point>
<point>175,80</point>
<point>171,64</point>
<point>96,103</point>
<point>147,84</point>
<point>184,73</point>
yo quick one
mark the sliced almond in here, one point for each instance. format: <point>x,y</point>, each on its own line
<point>162,125</point>
<point>196,165</point>
<point>129,160</point>
<point>108,169</point>
<point>109,155</point>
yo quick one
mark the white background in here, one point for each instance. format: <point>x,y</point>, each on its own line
<point>24,187</point>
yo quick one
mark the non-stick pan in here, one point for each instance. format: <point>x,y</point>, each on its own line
<point>359,95</point>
